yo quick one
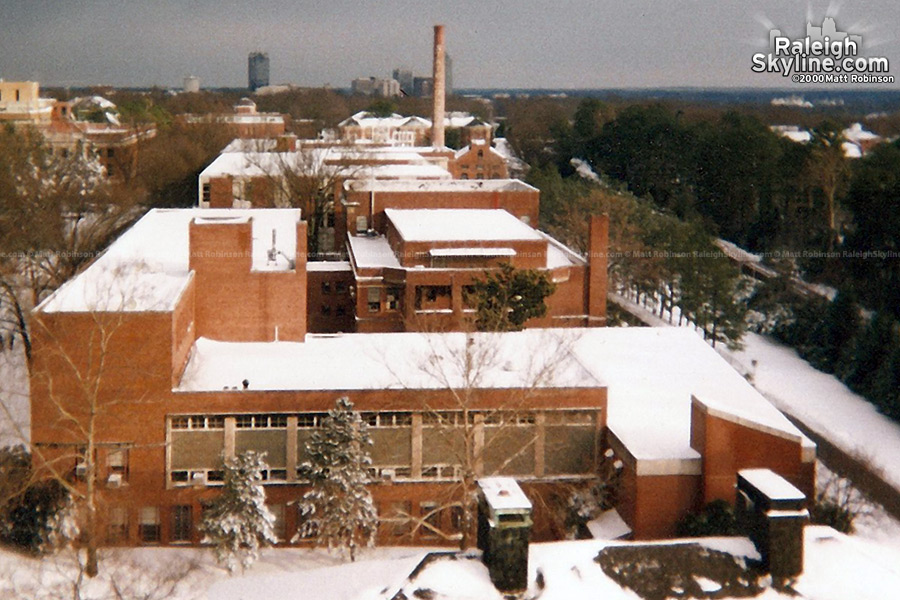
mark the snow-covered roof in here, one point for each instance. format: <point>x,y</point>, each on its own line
<point>650,375</point>
<point>456,252</point>
<point>367,119</point>
<point>504,494</point>
<point>401,171</point>
<point>371,361</point>
<point>459,224</point>
<point>836,566</point>
<point>446,186</point>
<point>856,133</point>
<point>793,133</point>
<point>146,269</point>
<point>656,371</point>
<point>372,252</point>
<point>851,150</point>
<point>771,484</point>
<point>258,164</point>
<point>476,145</point>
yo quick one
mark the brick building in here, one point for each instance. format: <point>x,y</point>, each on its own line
<point>409,131</point>
<point>412,272</point>
<point>246,122</point>
<point>115,146</point>
<point>479,160</point>
<point>186,341</point>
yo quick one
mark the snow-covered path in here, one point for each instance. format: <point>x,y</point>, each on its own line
<point>821,402</point>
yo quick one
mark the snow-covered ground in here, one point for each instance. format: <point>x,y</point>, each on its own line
<point>836,567</point>
<point>822,402</point>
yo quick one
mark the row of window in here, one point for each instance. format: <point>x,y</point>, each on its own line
<point>375,419</point>
<point>214,477</point>
<point>432,519</point>
<point>181,524</point>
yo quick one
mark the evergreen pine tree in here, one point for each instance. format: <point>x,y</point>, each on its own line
<point>873,346</point>
<point>505,300</point>
<point>831,341</point>
<point>238,522</point>
<point>338,510</point>
<point>886,385</point>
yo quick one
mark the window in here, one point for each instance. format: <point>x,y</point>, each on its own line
<point>340,311</point>
<point>340,287</point>
<point>326,287</point>
<point>433,297</point>
<point>393,299</point>
<point>148,524</point>
<point>207,194</point>
<point>260,421</point>
<point>117,526</point>
<point>431,519</point>
<point>399,514</point>
<point>117,464</point>
<point>197,422</point>
<point>373,297</point>
<point>325,310</point>
<point>387,419</point>
<point>182,524</point>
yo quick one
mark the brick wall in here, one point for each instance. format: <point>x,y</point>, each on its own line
<point>234,302</point>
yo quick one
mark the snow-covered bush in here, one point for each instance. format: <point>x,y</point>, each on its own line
<point>338,511</point>
<point>237,522</point>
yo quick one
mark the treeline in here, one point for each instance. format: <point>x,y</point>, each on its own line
<point>670,266</point>
<point>839,337</point>
<point>742,181</point>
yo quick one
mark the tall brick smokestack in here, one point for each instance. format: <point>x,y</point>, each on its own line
<point>437,117</point>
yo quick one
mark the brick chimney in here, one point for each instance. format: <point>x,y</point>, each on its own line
<point>598,249</point>
<point>772,512</point>
<point>437,117</point>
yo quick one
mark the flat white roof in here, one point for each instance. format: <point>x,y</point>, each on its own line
<point>472,252</point>
<point>459,225</point>
<point>446,186</point>
<point>772,484</point>
<point>535,359</point>
<point>147,267</point>
<point>372,252</point>
<point>503,493</point>
<point>651,374</point>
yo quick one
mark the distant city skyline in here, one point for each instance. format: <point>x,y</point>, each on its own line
<point>570,44</point>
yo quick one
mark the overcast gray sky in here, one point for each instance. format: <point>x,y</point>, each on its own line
<point>494,43</point>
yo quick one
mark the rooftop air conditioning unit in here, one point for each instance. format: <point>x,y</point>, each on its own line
<point>198,478</point>
<point>81,470</point>
<point>388,474</point>
<point>114,480</point>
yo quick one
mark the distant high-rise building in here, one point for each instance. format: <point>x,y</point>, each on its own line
<point>423,86</point>
<point>405,78</point>
<point>370,86</point>
<point>258,70</point>
<point>191,84</point>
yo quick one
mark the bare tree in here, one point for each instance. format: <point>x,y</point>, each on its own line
<point>308,179</point>
<point>56,212</point>
<point>86,375</point>
<point>488,418</point>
